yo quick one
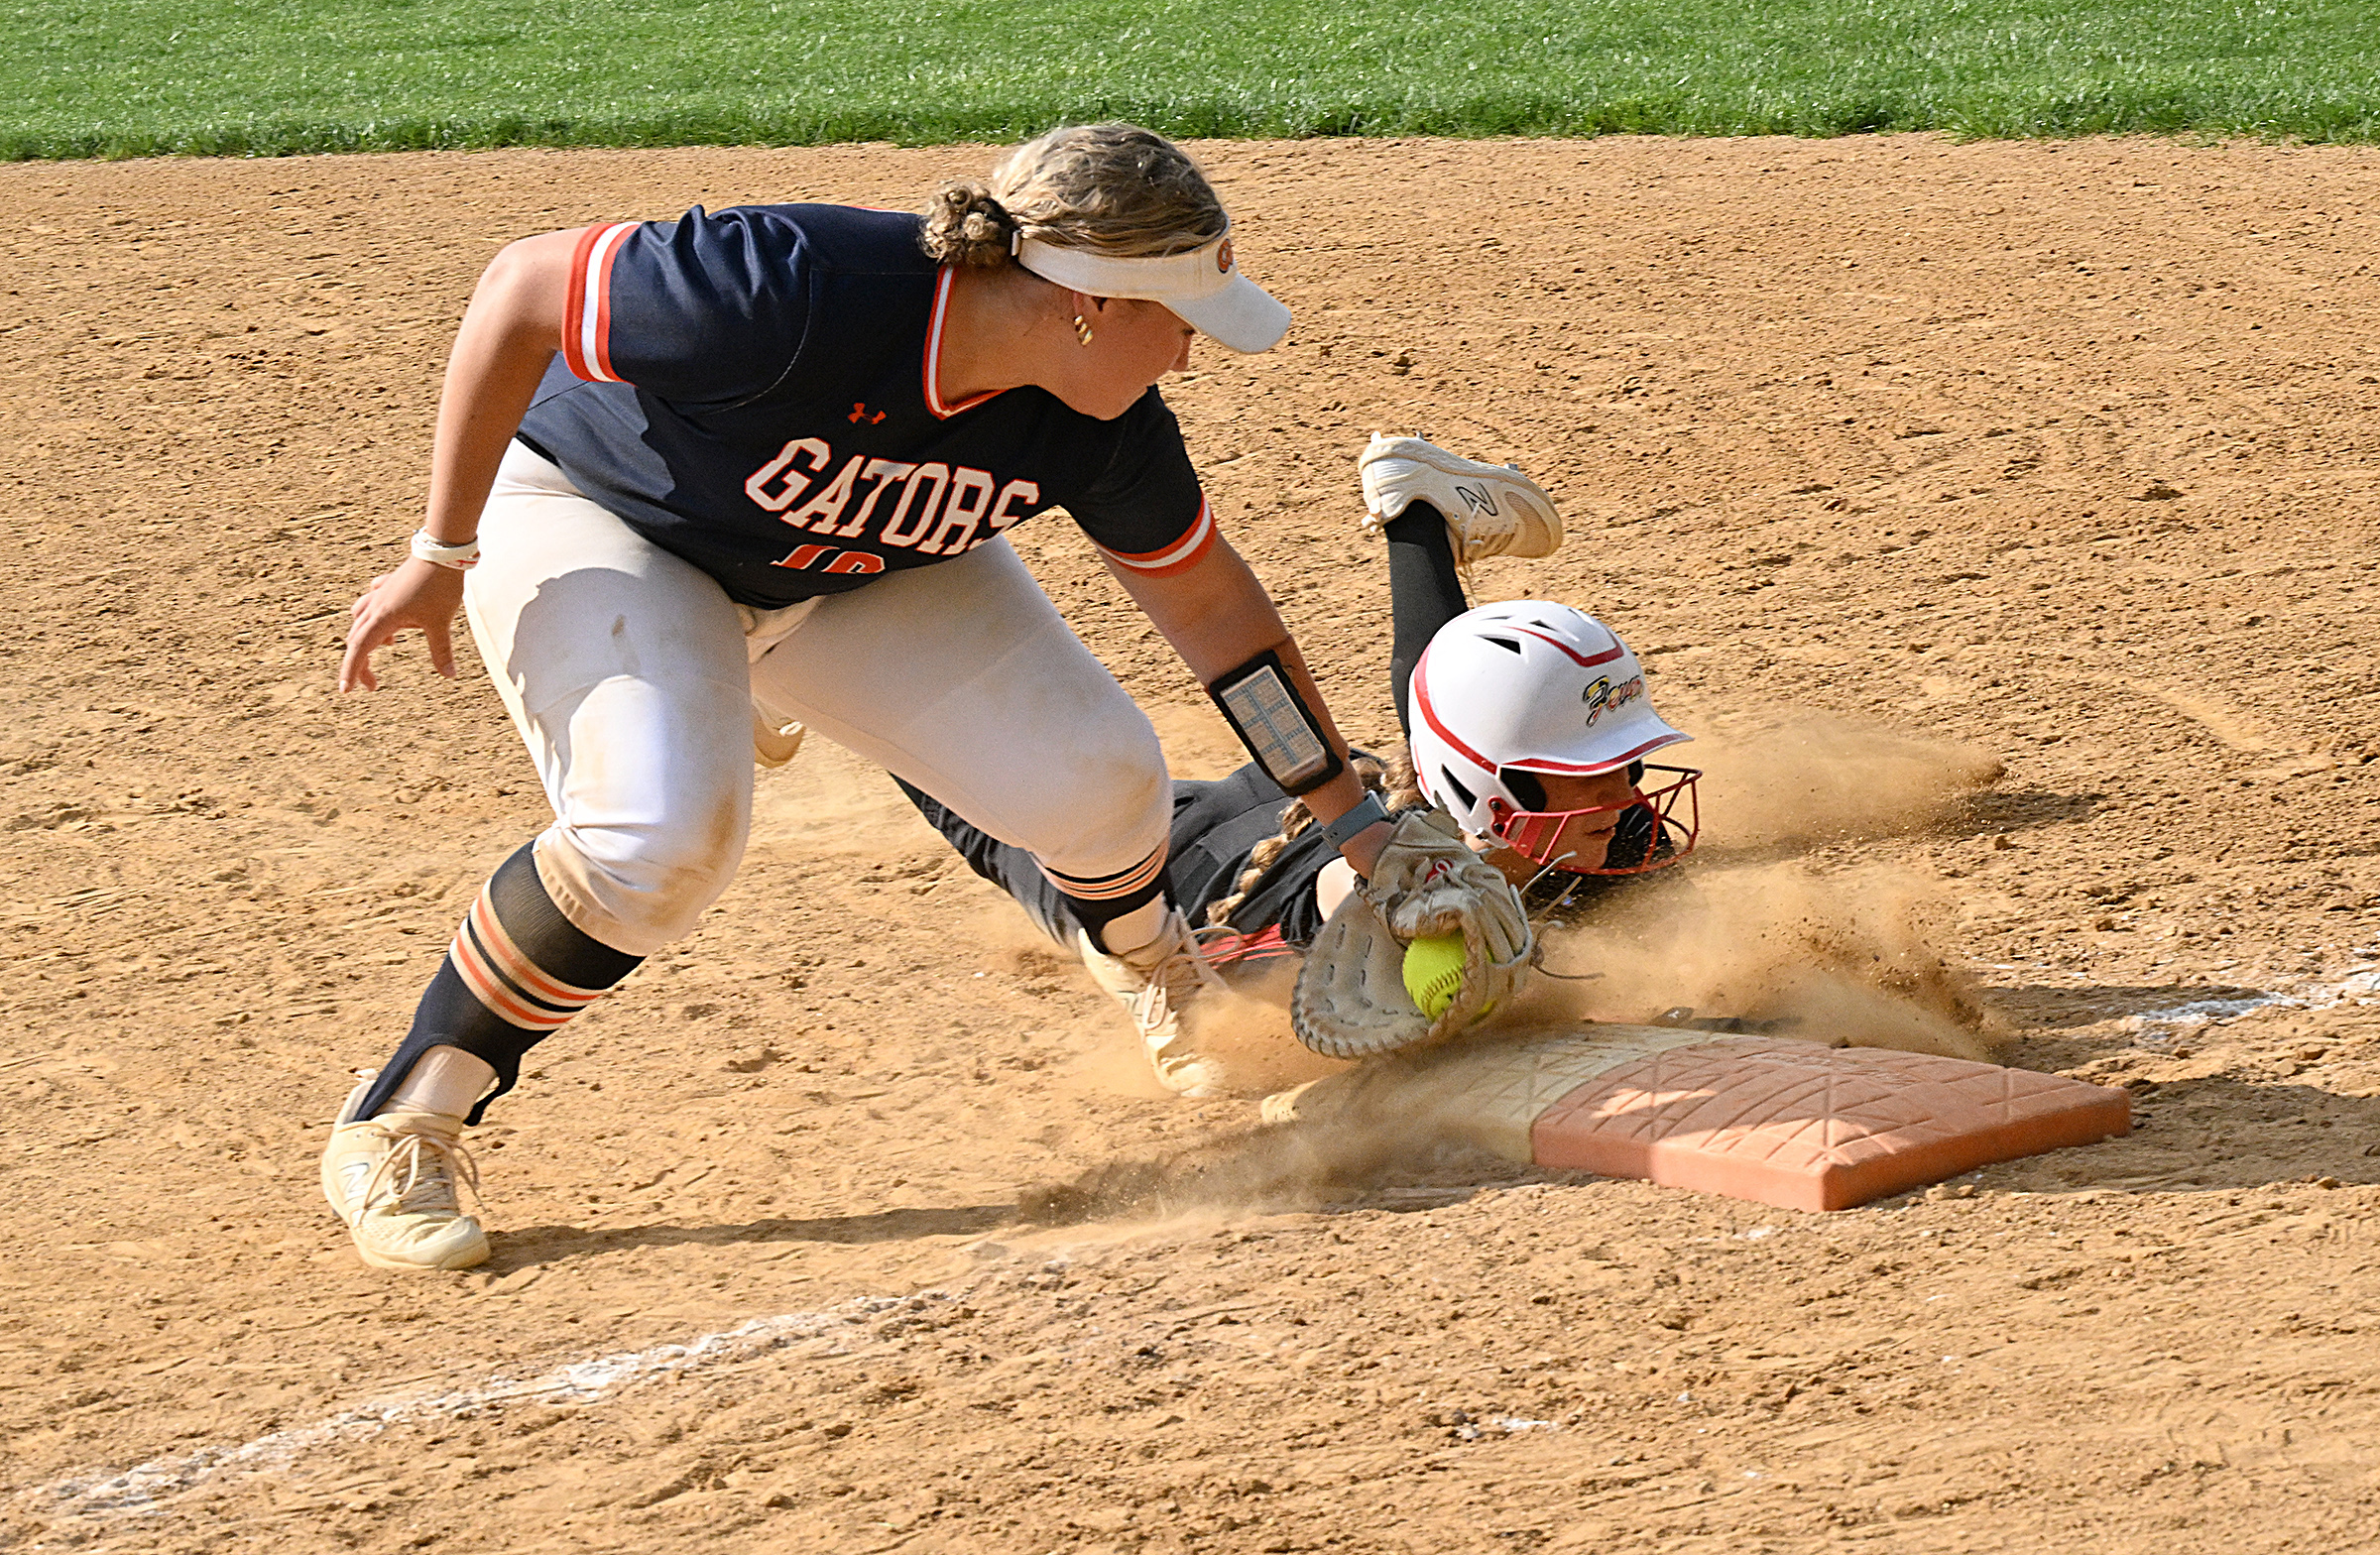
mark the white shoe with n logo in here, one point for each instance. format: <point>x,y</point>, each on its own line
<point>1155,984</point>
<point>1491,510</point>
<point>393,1179</point>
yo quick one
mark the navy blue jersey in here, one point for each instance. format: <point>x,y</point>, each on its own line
<point>755,391</point>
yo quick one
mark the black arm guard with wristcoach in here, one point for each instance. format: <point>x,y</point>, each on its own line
<point>1261,704</point>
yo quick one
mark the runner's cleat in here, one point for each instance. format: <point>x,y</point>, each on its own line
<point>1491,510</point>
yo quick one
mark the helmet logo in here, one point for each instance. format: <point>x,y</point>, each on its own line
<point>1603,695</point>
<point>1474,498</point>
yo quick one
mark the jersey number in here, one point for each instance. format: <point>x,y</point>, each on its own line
<point>807,557</point>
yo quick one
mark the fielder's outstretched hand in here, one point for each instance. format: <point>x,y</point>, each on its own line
<point>1350,999</point>
<point>419,595</point>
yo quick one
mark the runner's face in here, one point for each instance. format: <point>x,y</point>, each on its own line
<point>1586,838</point>
<point>1134,344</point>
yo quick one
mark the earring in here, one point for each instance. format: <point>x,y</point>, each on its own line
<point>1082,329</point>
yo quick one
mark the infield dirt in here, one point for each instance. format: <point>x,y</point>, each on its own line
<point>1902,461</point>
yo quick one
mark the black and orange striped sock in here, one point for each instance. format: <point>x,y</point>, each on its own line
<point>516,972</point>
<point>1098,900</point>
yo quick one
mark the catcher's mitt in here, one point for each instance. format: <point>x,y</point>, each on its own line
<point>1350,999</point>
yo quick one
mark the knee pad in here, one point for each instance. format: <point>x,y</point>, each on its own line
<point>1115,799</point>
<point>638,888</point>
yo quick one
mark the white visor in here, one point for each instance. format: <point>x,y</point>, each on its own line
<point>1204,285</point>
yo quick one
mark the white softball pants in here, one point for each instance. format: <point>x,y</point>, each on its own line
<point>632,680</point>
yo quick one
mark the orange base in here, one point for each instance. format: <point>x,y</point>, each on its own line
<point>1809,1128</point>
<point>1792,1124</point>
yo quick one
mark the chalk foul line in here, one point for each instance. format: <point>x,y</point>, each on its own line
<point>150,1489</point>
<point>2356,987</point>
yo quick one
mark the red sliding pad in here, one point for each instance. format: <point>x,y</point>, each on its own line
<point>1811,1128</point>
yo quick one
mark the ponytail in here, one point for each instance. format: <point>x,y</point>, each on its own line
<point>965,224</point>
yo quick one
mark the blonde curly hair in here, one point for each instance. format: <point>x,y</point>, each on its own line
<point>1109,188</point>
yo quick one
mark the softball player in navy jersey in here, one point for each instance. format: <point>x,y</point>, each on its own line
<point>699,482</point>
<point>1527,721</point>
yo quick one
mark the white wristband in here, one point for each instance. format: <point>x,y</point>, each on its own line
<point>439,554</point>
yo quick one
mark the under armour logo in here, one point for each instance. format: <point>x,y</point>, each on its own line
<point>859,413</point>
<point>1475,498</point>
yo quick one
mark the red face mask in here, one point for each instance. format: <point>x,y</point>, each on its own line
<point>1535,833</point>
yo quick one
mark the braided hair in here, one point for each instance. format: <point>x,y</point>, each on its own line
<point>1392,780</point>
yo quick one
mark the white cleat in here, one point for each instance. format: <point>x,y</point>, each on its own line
<point>393,1178</point>
<point>1154,984</point>
<point>1491,510</point>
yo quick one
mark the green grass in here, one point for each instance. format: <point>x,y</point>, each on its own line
<point>133,78</point>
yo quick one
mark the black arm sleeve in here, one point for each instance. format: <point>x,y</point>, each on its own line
<point>1425,593</point>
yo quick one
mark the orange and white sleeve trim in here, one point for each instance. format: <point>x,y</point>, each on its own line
<point>1180,557</point>
<point>587,317</point>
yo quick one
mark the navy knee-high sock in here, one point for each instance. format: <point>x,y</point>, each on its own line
<point>1096,902</point>
<point>516,972</point>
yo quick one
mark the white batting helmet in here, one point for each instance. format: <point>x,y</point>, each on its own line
<point>1529,686</point>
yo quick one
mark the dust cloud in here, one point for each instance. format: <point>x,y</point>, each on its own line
<point>1271,1165</point>
<point>1246,1026</point>
<point>1847,960</point>
<point>1773,786</point>
<point>1848,955</point>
